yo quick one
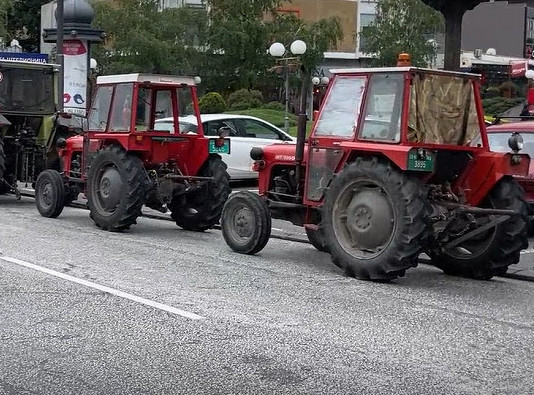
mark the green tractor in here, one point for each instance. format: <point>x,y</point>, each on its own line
<point>29,122</point>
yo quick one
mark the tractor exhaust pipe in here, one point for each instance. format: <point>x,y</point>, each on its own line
<point>301,129</point>
<point>299,149</point>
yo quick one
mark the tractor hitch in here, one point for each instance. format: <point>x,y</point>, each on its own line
<point>460,208</point>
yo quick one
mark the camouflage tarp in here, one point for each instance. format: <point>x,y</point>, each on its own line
<point>442,110</point>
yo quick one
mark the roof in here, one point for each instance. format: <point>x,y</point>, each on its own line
<point>522,126</point>
<point>150,78</point>
<point>398,70</point>
<point>29,64</point>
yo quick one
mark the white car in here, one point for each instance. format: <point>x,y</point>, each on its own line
<point>246,132</point>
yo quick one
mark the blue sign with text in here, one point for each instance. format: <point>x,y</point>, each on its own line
<point>25,56</point>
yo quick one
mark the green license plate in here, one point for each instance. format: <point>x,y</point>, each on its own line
<point>417,163</point>
<point>219,146</point>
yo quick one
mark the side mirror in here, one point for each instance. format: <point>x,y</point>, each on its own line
<point>224,131</point>
<point>515,142</point>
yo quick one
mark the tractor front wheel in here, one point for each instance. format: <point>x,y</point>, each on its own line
<point>50,194</point>
<point>375,220</point>
<point>116,185</point>
<point>246,223</point>
<point>201,210</point>
<point>492,252</point>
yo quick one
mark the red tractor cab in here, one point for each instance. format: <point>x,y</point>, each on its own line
<point>392,170</point>
<point>122,163</point>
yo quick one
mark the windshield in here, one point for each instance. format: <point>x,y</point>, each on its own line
<point>499,142</point>
<point>442,110</point>
<point>27,90</point>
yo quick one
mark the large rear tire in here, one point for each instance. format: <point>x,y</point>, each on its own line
<point>375,220</point>
<point>116,188</point>
<point>246,223</point>
<point>489,255</point>
<point>317,239</point>
<point>50,194</point>
<point>201,210</point>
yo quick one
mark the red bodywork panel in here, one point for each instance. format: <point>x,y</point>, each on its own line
<point>154,147</point>
<point>525,128</point>
<point>484,171</point>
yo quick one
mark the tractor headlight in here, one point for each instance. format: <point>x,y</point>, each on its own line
<point>515,142</point>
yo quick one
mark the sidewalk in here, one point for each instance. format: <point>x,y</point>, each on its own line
<point>524,270</point>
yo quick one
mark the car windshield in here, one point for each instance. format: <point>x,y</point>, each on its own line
<point>499,142</point>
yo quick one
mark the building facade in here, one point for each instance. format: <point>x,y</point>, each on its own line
<point>354,15</point>
<point>507,27</point>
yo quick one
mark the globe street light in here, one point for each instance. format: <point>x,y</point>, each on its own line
<point>316,82</point>
<point>278,50</point>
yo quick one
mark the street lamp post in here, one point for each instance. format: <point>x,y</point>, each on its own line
<point>277,50</point>
<point>316,82</point>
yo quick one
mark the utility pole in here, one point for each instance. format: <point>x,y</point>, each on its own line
<point>59,52</point>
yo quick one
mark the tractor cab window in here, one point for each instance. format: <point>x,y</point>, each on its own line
<point>142,117</point>
<point>163,104</point>
<point>383,109</point>
<point>121,108</point>
<point>340,113</point>
<point>29,90</point>
<point>98,115</point>
<point>185,101</point>
<point>442,110</point>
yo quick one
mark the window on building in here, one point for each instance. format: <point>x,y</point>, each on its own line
<point>365,22</point>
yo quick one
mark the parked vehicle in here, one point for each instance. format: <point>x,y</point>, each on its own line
<point>29,123</point>
<point>245,132</point>
<point>498,136</point>
<point>122,163</point>
<point>376,197</point>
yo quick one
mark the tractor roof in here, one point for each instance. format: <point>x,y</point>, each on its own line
<point>399,70</point>
<point>145,78</point>
<point>28,64</point>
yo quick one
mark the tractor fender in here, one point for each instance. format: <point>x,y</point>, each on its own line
<point>396,154</point>
<point>485,170</point>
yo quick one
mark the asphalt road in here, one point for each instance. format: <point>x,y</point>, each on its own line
<point>159,310</point>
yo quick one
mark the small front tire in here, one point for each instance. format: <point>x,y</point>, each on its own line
<point>246,223</point>
<point>50,194</point>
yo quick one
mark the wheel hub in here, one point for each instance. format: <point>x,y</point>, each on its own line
<point>110,188</point>
<point>244,222</point>
<point>369,219</point>
<point>46,194</point>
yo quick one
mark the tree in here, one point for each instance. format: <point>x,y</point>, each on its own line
<point>24,23</point>
<point>242,30</point>
<point>238,38</point>
<point>140,38</point>
<point>5,7</point>
<point>453,12</point>
<point>402,26</point>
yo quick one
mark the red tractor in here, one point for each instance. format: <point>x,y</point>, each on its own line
<point>122,162</point>
<point>392,170</point>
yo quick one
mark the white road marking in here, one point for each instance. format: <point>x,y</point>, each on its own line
<point>103,288</point>
<point>529,251</point>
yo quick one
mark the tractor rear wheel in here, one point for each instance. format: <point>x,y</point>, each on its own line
<point>317,239</point>
<point>201,210</point>
<point>375,220</point>
<point>50,194</point>
<point>491,253</point>
<point>246,223</point>
<point>116,187</point>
